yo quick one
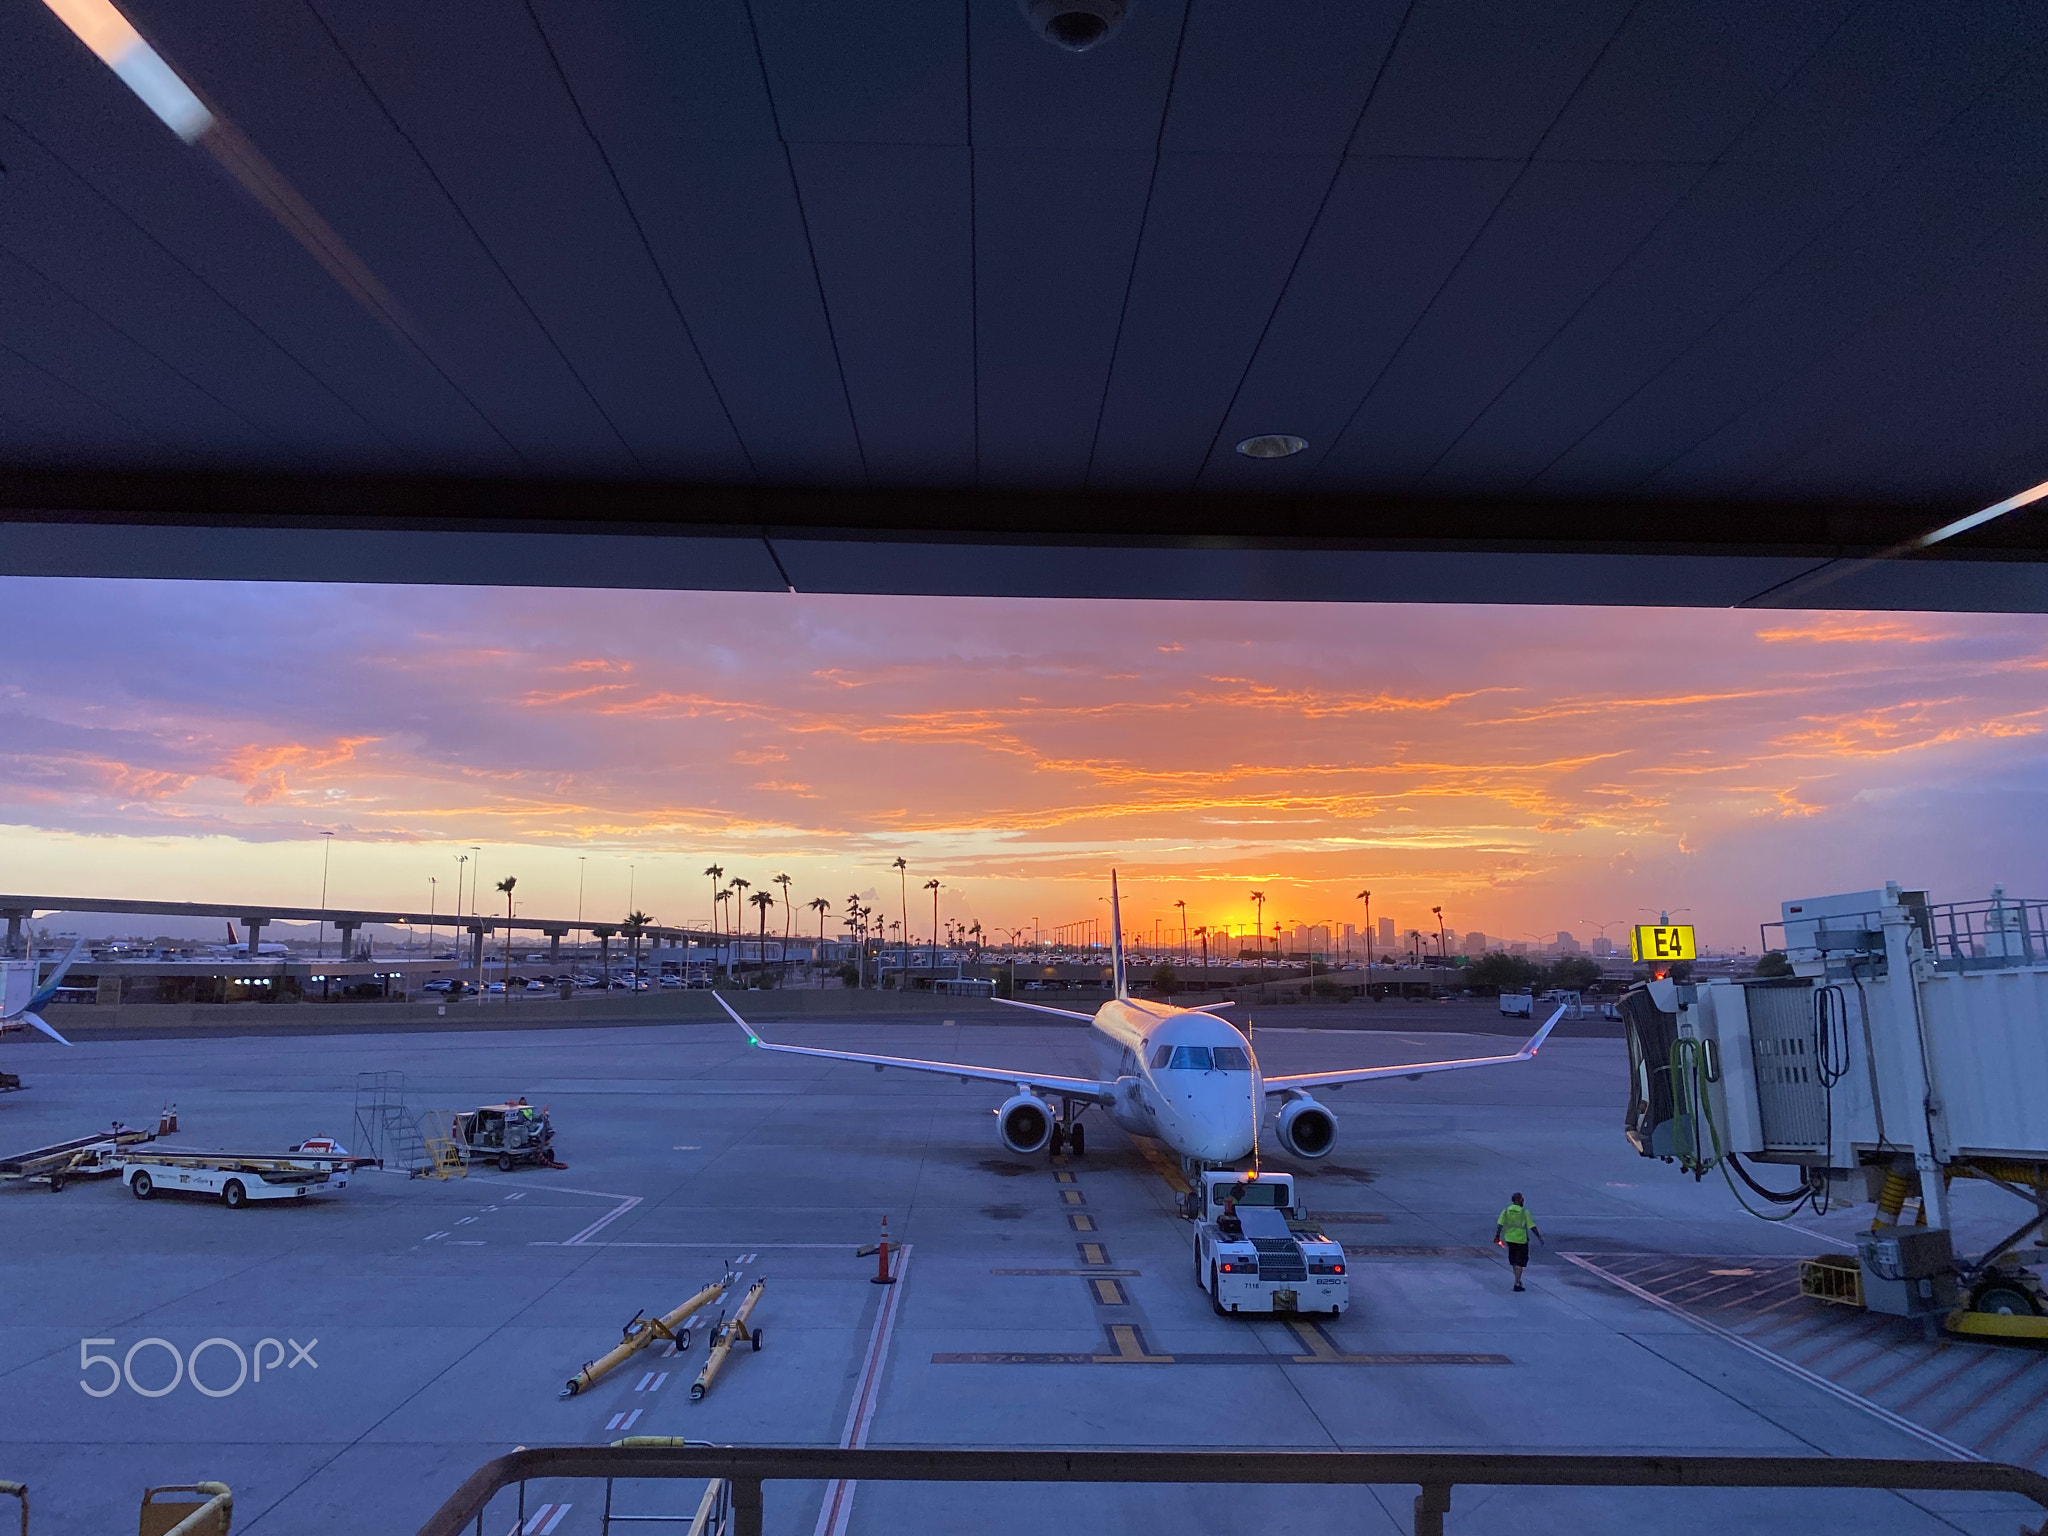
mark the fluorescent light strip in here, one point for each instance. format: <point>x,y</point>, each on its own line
<point>1978,519</point>
<point>120,47</point>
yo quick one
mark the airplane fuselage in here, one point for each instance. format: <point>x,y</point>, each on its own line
<point>1188,1078</point>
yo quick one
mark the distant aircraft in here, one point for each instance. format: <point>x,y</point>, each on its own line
<point>1179,1074</point>
<point>237,947</point>
<point>20,997</point>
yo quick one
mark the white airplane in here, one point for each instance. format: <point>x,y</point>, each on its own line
<point>238,948</point>
<point>20,997</point>
<point>1179,1074</point>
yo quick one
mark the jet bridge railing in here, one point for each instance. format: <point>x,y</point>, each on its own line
<point>1436,1475</point>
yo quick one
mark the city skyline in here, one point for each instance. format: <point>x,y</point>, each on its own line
<point>1526,770</point>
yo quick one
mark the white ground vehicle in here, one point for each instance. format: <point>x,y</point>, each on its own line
<point>1256,1250</point>
<point>236,1178</point>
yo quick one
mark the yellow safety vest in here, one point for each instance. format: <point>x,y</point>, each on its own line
<point>1514,1224</point>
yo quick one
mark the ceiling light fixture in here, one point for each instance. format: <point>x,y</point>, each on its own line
<point>1274,445</point>
<point>120,47</point>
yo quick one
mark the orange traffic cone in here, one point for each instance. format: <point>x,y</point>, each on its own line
<point>882,1275</point>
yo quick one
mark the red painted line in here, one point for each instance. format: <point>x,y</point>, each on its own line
<point>2026,1410</point>
<point>867,1397</point>
<point>1962,1365</point>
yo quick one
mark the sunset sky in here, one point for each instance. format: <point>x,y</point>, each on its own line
<point>1528,769</point>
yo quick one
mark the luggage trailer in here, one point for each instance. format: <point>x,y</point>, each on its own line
<point>238,1177</point>
<point>79,1158</point>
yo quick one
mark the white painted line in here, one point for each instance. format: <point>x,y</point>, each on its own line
<point>1928,1436</point>
<point>846,1247</point>
<point>658,1381</point>
<point>520,1196</point>
<point>867,1397</point>
<point>469,1242</point>
<point>465,1221</point>
<point>432,1235</point>
<point>541,1522</point>
<point>582,1239</point>
<point>642,1386</point>
<point>620,1421</point>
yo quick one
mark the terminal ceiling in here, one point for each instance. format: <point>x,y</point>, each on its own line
<point>1668,302</point>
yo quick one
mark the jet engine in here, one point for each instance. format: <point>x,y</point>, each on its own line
<point>1025,1123</point>
<point>1307,1129</point>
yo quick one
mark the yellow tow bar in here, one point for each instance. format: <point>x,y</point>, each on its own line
<point>643,1331</point>
<point>728,1334</point>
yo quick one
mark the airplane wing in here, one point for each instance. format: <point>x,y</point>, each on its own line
<point>1415,1069</point>
<point>1065,1013</point>
<point>28,1015</point>
<point>1070,1087</point>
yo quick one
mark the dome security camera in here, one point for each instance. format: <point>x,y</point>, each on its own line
<point>1075,25</point>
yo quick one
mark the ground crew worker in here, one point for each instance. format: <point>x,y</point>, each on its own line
<point>1512,1232</point>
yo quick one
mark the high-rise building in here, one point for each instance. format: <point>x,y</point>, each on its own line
<point>1387,932</point>
<point>1566,944</point>
<point>1475,943</point>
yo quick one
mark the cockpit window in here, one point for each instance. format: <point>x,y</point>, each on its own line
<point>1229,1058</point>
<point>1191,1058</point>
<point>1159,1057</point>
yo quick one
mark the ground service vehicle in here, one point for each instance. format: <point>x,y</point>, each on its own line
<point>1256,1250</point>
<point>237,1177</point>
<point>507,1134</point>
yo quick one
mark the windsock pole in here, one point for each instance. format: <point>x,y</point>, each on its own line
<point>640,1333</point>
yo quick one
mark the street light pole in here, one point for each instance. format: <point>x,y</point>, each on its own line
<point>326,848</point>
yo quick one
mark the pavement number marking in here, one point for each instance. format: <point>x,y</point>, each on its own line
<point>620,1421</point>
<point>652,1381</point>
<point>1127,1346</point>
<point>1081,1223</point>
<point>541,1522</point>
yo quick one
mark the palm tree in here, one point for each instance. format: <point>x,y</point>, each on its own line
<point>1183,931</point>
<point>717,874</point>
<point>1259,900</point>
<point>506,885</point>
<point>974,933</point>
<point>902,867</point>
<point>738,887</point>
<point>724,926</point>
<point>820,906</point>
<point>788,913</point>
<point>933,887</point>
<point>635,925</point>
<point>763,900</point>
<point>857,931</point>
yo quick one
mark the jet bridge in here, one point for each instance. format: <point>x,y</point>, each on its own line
<point>1907,1048</point>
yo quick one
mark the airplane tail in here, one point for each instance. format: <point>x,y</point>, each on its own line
<point>232,940</point>
<point>1116,942</point>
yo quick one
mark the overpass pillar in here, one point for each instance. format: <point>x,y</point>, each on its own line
<point>554,944</point>
<point>14,920</point>
<point>253,926</point>
<point>348,938</point>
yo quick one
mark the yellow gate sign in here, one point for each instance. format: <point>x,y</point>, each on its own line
<point>1654,943</point>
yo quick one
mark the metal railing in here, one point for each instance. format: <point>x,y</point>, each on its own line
<point>746,1469</point>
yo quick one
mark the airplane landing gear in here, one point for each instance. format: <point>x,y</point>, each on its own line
<point>1077,1139</point>
<point>1058,1142</point>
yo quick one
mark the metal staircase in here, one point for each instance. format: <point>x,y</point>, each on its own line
<point>385,1127</point>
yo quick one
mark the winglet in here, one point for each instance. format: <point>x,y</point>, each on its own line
<point>37,1020</point>
<point>752,1038</point>
<point>1116,942</point>
<point>1536,1040</point>
<point>49,990</point>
